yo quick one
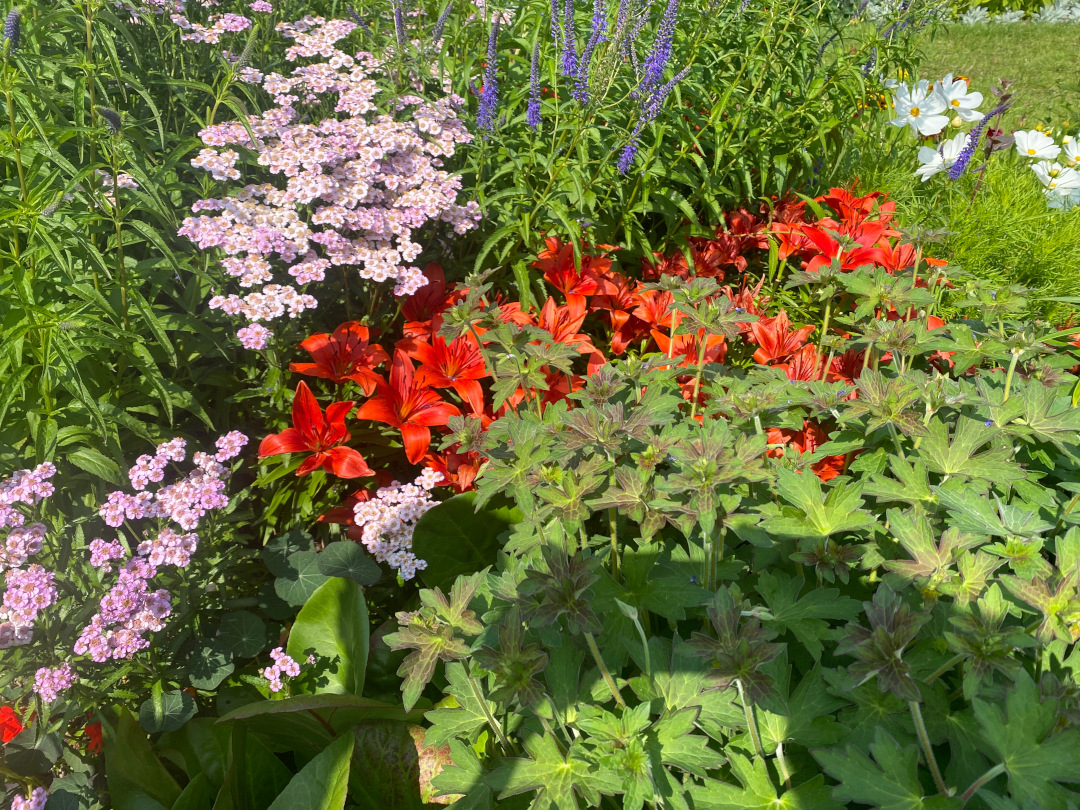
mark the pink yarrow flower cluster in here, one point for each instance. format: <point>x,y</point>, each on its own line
<point>50,683</point>
<point>352,191</point>
<point>131,610</point>
<point>219,24</point>
<point>36,800</point>
<point>387,521</point>
<point>283,665</point>
<point>29,487</point>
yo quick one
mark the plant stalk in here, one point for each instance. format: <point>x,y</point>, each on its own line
<point>751,723</point>
<point>603,669</point>
<point>928,752</point>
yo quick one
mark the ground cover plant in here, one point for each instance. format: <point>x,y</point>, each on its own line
<point>338,471</point>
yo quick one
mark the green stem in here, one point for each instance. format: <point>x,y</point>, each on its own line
<point>479,694</point>
<point>952,662</point>
<point>993,773</point>
<point>704,342</point>
<point>1009,376</point>
<point>603,669</point>
<point>751,724</point>
<point>614,529</point>
<point>781,763</point>
<point>928,752</point>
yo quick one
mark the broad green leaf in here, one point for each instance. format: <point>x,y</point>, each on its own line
<point>558,779</point>
<point>334,624</point>
<point>167,711</point>
<point>835,513</point>
<point>242,633</point>
<point>303,578</point>
<point>350,560</point>
<point>959,454</point>
<point>758,792</point>
<point>137,779</point>
<point>323,783</point>
<point>208,665</point>
<point>455,539</point>
<point>385,768</point>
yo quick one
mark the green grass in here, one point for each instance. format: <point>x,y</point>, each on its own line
<point>1040,57</point>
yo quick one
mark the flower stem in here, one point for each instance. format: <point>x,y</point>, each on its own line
<point>751,723</point>
<point>1009,376</point>
<point>603,669</point>
<point>993,773</point>
<point>478,693</point>
<point>952,662</point>
<point>697,377</point>
<point>928,752</point>
<point>781,763</point>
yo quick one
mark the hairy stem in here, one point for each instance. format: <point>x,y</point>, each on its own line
<point>928,752</point>
<point>993,773</point>
<point>479,694</point>
<point>751,723</point>
<point>952,662</point>
<point>603,669</point>
<point>781,763</point>
<point>1009,376</point>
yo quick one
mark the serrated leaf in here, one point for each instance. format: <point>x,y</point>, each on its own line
<point>805,617</point>
<point>958,454</point>
<point>822,515</point>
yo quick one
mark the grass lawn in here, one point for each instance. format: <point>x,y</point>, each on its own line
<point>1041,58</point>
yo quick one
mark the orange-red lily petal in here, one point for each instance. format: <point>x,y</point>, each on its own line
<point>344,355</point>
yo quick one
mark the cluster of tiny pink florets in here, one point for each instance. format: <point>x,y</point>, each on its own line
<point>35,801</point>
<point>131,610</point>
<point>27,590</point>
<point>49,683</point>
<point>283,665</point>
<point>219,24</point>
<point>356,188</point>
<point>387,521</point>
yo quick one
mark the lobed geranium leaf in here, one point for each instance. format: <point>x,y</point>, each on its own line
<point>805,617</point>
<point>931,562</point>
<point>890,780</point>
<point>757,791</point>
<point>959,454</point>
<point>822,515</point>
<point>1022,734</point>
<point>558,779</point>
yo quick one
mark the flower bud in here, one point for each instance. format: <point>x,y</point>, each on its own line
<point>957,122</point>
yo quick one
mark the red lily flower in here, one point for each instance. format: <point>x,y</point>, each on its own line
<point>565,322</point>
<point>407,406</point>
<point>458,470</point>
<point>748,300</point>
<point>775,338</point>
<point>321,436</point>
<point>458,366</point>
<point>898,257</point>
<point>805,364</point>
<point>423,309</point>
<point>673,265</point>
<point>615,302</point>
<point>654,308</point>
<point>808,440</point>
<point>562,273</point>
<point>93,737</point>
<point>829,247</point>
<point>846,367</point>
<point>688,346</point>
<point>344,355</point>
<point>9,724</point>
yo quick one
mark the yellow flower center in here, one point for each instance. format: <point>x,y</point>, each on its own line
<point>914,112</point>
<point>955,102</point>
<point>1031,151</point>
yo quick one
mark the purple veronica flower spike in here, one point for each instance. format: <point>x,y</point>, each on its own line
<point>596,36</point>
<point>489,95</point>
<point>661,49</point>
<point>569,42</point>
<point>440,24</point>
<point>13,29</point>
<point>532,115</point>
<point>972,142</point>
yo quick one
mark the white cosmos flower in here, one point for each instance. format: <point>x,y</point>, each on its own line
<point>957,100</point>
<point>1057,178</point>
<point>1072,152</point>
<point>1034,144</point>
<point>919,109</point>
<point>934,161</point>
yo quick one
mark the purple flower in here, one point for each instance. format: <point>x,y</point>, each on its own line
<point>972,142</point>
<point>13,29</point>
<point>871,63</point>
<point>649,110</point>
<point>489,95</point>
<point>556,23</point>
<point>399,23</point>
<point>440,23</point>
<point>532,116</point>
<point>743,6</point>
<point>569,41</point>
<point>596,36</point>
<point>661,49</point>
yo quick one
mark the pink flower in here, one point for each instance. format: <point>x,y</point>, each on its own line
<point>49,683</point>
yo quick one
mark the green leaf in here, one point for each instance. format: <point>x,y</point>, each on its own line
<point>821,517</point>
<point>256,776</point>
<point>1023,735</point>
<point>464,778</point>
<point>279,550</point>
<point>334,624</point>
<point>32,752</point>
<point>323,783</point>
<point>757,791</point>
<point>208,665</point>
<point>95,463</point>
<point>385,768</point>
<point>137,779</point>
<point>349,560</point>
<point>460,716</point>
<point>302,579</point>
<point>242,633</point>
<point>455,539</point>
<point>807,617</point>
<point>889,781</point>
<point>558,779</point>
<point>807,717</point>
<point>197,795</point>
<point>960,456</point>
<point>167,711</point>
